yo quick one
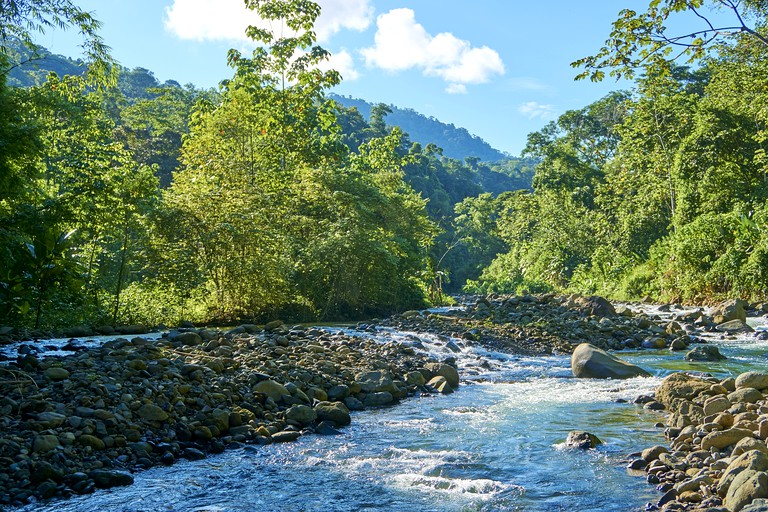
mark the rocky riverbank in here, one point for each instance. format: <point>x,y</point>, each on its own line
<point>717,459</point>
<point>551,324</point>
<point>71,425</point>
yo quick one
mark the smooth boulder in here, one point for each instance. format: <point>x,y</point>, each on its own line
<point>591,362</point>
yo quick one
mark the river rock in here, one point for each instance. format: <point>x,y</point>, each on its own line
<point>273,325</point>
<point>595,305</point>
<point>151,412</point>
<point>588,361</point>
<point>376,381</point>
<point>440,384</point>
<point>335,412</point>
<point>272,389</point>
<point>724,438</point>
<point>758,505</point>
<point>704,353</point>
<point>747,486</point>
<point>189,338</point>
<point>338,392</point>
<point>716,404</point>
<point>49,419</point>
<point>302,414</point>
<point>415,379</point>
<point>755,380</point>
<point>56,374</point>
<point>285,436</point>
<point>679,343</point>
<point>732,309</point>
<point>104,479</point>
<point>755,460</point>
<point>378,399</point>
<point>748,395</point>
<point>734,327</point>
<point>583,440</point>
<point>44,443</point>
<point>651,454</point>
<point>79,331</point>
<point>680,385</point>
<point>444,370</point>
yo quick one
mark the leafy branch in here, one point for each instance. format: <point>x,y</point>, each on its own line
<point>641,40</point>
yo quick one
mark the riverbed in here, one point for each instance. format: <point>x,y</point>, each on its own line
<point>496,444</point>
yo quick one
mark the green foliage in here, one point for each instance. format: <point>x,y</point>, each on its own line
<point>643,40</point>
<point>665,197</point>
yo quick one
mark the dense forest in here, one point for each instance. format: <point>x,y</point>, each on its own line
<point>659,191</point>
<point>126,200</point>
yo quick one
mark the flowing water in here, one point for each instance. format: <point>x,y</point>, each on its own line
<point>496,445</point>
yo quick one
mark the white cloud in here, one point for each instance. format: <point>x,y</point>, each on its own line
<point>533,110</point>
<point>456,89</point>
<point>343,63</point>
<point>226,20</point>
<point>401,43</point>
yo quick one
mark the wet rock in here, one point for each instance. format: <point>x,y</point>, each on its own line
<point>588,361</point>
<point>582,440</point>
<point>326,429</point>
<point>440,384</point>
<point>704,353</point>
<point>302,414</point>
<point>285,436</point>
<point>104,479</point>
<point>651,454</point>
<point>732,309</point>
<point>376,381</point>
<point>378,399</point>
<point>680,343</point>
<point>734,327</point>
<point>335,412</point>
<point>680,385</point>
<point>193,454</point>
<point>450,373</point>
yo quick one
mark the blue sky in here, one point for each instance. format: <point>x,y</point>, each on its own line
<point>499,68</point>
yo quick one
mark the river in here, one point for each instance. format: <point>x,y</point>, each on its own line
<point>495,445</point>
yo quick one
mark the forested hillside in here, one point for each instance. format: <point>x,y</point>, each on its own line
<point>127,200</point>
<point>658,191</point>
<point>455,142</point>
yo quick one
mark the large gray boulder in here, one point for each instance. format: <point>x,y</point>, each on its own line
<point>591,362</point>
<point>595,305</point>
<point>732,309</point>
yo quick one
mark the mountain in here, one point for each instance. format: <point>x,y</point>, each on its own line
<point>456,142</point>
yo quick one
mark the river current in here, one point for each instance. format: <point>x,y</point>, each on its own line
<point>495,445</point>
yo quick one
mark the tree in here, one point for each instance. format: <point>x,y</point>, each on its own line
<point>20,19</point>
<point>642,39</point>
